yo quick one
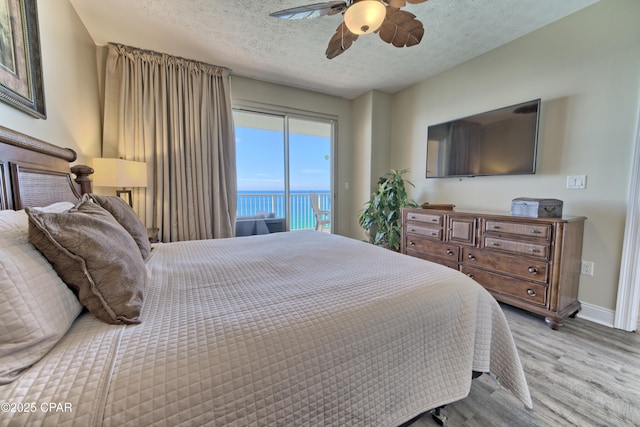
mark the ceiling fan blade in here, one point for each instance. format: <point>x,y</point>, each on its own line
<point>311,11</point>
<point>401,28</point>
<point>341,41</point>
<point>396,3</point>
<point>402,3</point>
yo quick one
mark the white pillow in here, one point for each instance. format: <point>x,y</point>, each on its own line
<point>14,225</point>
<point>36,306</point>
<point>57,207</point>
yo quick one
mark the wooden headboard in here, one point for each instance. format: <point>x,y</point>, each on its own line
<point>36,173</point>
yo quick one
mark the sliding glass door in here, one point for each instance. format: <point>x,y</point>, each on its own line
<point>283,161</point>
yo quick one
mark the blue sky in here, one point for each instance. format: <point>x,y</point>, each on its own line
<point>260,161</point>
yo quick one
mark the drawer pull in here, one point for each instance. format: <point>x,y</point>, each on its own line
<point>534,231</point>
<point>471,257</point>
<point>434,233</point>
<point>531,292</point>
<point>412,243</point>
<point>496,227</point>
<point>470,275</point>
<point>412,217</point>
<point>533,270</point>
<point>496,244</point>
<point>434,219</point>
<point>413,230</point>
<point>449,252</point>
<point>534,250</point>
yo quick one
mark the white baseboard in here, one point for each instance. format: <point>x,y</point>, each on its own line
<point>596,314</point>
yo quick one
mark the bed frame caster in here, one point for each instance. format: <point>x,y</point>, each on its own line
<point>438,416</point>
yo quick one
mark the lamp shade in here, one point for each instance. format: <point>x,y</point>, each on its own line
<point>119,173</point>
<point>365,16</point>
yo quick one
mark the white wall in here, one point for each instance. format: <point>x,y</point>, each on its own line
<point>586,69</point>
<point>361,162</point>
<point>70,85</point>
<point>372,142</point>
<point>381,136</point>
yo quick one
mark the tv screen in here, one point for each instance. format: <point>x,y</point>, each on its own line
<point>498,142</point>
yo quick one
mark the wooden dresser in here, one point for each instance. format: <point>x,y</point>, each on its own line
<point>531,263</point>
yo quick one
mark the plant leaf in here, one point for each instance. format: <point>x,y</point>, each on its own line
<point>381,215</point>
<point>341,41</point>
<point>401,28</point>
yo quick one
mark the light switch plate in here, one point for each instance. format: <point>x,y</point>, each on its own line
<point>576,182</point>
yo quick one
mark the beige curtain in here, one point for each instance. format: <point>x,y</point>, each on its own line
<point>175,114</point>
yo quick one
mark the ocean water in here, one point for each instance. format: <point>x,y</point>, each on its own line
<point>253,202</point>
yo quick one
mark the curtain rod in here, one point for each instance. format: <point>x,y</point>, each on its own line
<point>153,52</point>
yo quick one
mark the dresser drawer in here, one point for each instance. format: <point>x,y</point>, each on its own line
<point>533,293</point>
<point>526,268</point>
<point>428,232</point>
<point>436,249</point>
<point>436,219</point>
<point>539,250</point>
<point>442,261</point>
<point>542,231</point>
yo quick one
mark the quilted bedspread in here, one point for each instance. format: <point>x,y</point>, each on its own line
<point>286,329</point>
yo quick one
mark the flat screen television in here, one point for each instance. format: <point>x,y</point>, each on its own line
<point>498,142</point>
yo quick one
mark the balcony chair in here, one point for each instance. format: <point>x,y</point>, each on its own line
<point>322,217</point>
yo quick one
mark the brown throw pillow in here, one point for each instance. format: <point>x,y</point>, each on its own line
<point>127,218</point>
<point>95,256</point>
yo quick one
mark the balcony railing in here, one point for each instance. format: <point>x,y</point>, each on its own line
<point>301,217</point>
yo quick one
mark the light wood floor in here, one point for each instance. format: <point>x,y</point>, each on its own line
<point>584,374</point>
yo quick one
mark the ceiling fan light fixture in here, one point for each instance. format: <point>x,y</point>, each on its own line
<point>365,16</point>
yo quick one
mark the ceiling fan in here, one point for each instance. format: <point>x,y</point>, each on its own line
<point>397,27</point>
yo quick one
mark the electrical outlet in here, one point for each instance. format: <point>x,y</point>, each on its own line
<point>587,268</point>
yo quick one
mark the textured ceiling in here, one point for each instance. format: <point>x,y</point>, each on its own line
<point>241,35</point>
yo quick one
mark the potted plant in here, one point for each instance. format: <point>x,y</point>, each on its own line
<point>381,216</point>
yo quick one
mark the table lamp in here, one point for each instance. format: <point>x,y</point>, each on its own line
<point>120,173</point>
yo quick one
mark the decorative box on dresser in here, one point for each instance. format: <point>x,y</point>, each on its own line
<point>530,263</point>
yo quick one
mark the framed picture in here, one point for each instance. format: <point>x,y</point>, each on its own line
<point>20,61</point>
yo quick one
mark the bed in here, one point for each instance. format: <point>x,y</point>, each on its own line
<point>300,328</point>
